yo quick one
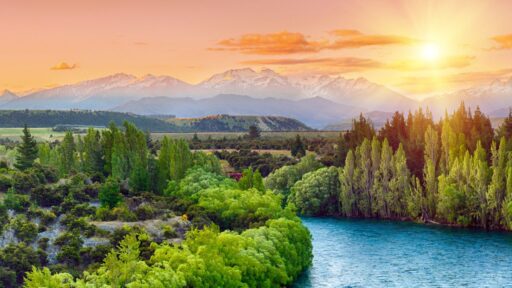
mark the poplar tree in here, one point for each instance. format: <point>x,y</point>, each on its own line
<point>67,153</point>
<point>497,188</point>
<point>348,186</point>
<point>164,164</point>
<point>430,172</point>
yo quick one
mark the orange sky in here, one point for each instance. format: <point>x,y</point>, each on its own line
<point>48,43</point>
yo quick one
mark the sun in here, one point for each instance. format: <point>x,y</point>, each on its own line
<point>430,51</point>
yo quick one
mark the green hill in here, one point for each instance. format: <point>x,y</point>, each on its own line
<point>80,118</point>
<point>222,123</point>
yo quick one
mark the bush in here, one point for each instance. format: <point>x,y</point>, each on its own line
<point>17,202</point>
<point>78,225</point>
<point>4,218</point>
<point>18,259</point>
<point>24,230</point>
<point>23,182</point>
<point>45,196</point>
<point>5,182</point>
<point>144,212</point>
<point>169,232</point>
<point>110,194</point>
<point>121,213</point>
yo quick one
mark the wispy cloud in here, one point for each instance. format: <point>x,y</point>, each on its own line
<point>503,41</point>
<point>356,39</point>
<point>64,66</point>
<point>292,42</point>
<point>341,64</point>
<point>345,64</point>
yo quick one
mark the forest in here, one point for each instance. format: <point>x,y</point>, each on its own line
<point>118,208</point>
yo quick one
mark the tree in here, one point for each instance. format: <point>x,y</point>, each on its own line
<point>27,150</point>
<point>505,129</point>
<point>317,193</point>
<point>110,194</point>
<point>67,154</point>
<point>297,147</point>
<point>164,164</point>
<point>251,179</point>
<point>254,132</point>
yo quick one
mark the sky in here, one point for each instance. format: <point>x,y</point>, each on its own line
<point>418,48</point>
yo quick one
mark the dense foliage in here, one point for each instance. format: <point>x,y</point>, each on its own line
<point>458,171</point>
<point>116,193</point>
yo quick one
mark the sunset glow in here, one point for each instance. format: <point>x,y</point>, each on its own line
<point>394,43</point>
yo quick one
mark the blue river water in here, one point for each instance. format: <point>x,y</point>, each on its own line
<point>373,253</point>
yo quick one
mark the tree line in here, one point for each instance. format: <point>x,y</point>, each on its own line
<point>456,171</point>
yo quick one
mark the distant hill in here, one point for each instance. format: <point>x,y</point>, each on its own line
<point>316,112</point>
<point>218,123</point>
<point>51,118</point>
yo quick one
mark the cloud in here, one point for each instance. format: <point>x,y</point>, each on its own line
<point>349,64</point>
<point>274,43</point>
<point>140,43</point>
<point>356,39</point>
<point>64,66</point>
<point>503,41</point>
<point>342,64</point>
<point>292,42</point>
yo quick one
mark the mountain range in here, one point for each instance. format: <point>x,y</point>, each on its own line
<point>317,100</point>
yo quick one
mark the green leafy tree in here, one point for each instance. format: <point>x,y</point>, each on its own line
<point>317,193</point>
<point>67,154</point>
<point>27,150</point>
<point>110,195</point>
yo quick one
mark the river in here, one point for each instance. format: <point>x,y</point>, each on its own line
<point>372,253</point>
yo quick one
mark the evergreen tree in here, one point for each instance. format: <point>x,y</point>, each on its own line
<point>297,147</point>
<point>505,129</point>
<point>27,150</point>
<point>254,132</point>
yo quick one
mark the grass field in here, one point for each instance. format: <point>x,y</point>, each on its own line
<point>45,134</point>
<point>231,135</point>
<point>41,134</point>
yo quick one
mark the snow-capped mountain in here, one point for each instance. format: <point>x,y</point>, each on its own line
<point>265,83</point>
<point>355,92</point>
<point>102,93</point>
<point>490,97</point>
<point>115,90</point>
<point>7,96</point>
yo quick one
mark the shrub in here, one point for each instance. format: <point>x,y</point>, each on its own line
<point>145,211</point>
<point>24,230</point>
<point>45,196</point>
<point>5,182</point>
<point>110,195</point>
<point>16,202</point>
<point>23,182</point>
<point>169,232</point>
<point>18,259</point>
